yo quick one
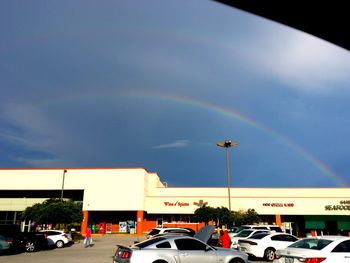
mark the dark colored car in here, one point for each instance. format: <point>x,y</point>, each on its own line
<point>5,245</point>
<point>23,241</point>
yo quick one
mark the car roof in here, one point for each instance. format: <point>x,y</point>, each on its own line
<point>162,228</point>
<point>52,230</point>
<point>261,225</point>
<point>329,237</point>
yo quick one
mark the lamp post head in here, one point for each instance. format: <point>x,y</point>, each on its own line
<point>227,144</point>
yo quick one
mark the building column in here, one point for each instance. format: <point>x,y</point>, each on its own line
<point>278,220</point>
<point>139,222</point>
<point>85,222</point>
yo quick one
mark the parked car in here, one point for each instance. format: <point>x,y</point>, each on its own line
<point>325,249</point>
<point>162,230</point>
<point>23,241</point>
<point>5,245</point>
<point>57,238</point>
<point>264,245</point>
<point>244,234</point>
<point>178,248</point>
<point>272,228</point>
<point>275,228</point>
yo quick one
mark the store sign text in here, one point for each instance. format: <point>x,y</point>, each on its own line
<point>343,205</point>
<point>279,204</point>
<point>177,203</point>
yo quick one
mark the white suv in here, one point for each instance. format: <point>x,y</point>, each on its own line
<point>168,230</point>
<point>57,238</point>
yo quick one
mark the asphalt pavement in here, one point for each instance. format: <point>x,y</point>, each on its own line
<point>102,251</point>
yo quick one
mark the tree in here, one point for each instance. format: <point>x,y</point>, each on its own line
<point>251,217</point>
<point>54,211</point>
<point>205,214</point>
<point>223,216</point>
<point>246,217</point>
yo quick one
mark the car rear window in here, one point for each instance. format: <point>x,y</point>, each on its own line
<point>244,233</point>
<point>165,244</point>
<point>154,232</point>
<point>259,236</point>
<point>312,243</point>
<point>149,242</point>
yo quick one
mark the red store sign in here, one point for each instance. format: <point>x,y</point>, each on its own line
<point>279,204</point>
<point>177,203</point>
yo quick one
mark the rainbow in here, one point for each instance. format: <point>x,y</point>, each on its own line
<point>220,110</point>
<point>238,116</point>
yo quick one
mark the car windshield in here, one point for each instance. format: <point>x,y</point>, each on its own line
<point>149,242</point>
<point>244,233</point>
<point>312,243</point>
<point>275,228</point>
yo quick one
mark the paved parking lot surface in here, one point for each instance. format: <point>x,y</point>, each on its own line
<point>101,252</point>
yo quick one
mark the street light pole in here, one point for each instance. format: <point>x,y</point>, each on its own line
<point>226,144</point>
<point>64,174</point>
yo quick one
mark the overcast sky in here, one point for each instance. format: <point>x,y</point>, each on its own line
<point>156,85</point>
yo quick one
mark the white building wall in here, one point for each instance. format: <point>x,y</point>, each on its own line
<point>267,201</point>
<point>135,189</point>
<point>104,189</point>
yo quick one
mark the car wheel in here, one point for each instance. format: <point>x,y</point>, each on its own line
<point>160,261</point>
<point>59,244</point>
<point>236,260</point>
<point>30,246</point>
<point>269,254</point>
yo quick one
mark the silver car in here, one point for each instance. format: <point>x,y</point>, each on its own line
<point>178,249</point>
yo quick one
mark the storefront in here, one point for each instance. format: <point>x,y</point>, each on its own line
<point>135,201</point>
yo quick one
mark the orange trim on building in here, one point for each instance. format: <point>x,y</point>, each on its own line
<point>85,222</point>
<point>278,220</point>
<point>139,222</point>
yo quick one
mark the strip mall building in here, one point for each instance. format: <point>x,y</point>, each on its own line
<point>134,200</point>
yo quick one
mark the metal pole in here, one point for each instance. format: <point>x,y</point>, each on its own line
<point>64,174</point>
<point>228,179</point>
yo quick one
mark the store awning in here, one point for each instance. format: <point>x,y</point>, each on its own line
<point>343,225</point>
<point>314,225</point>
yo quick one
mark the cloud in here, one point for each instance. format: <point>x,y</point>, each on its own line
<point>176,144</point>
<point>34,129</point>
<point>39,162</point>
<point>300,61</point>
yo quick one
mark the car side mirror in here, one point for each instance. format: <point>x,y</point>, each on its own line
<point>207,248</point>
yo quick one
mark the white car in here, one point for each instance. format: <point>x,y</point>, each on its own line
<point>168,230</point>
<point>57,238</point>
<point>271,228</point>
<point>325,249</point>
<point>264,245</point>
<point>178,248</point>
<point>244,234</point>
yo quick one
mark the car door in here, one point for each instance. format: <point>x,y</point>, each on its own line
<point>194,251</point>
<point>341,253</point>
<point>51,237</point>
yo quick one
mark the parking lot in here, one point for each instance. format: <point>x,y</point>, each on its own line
<point>101,252</point>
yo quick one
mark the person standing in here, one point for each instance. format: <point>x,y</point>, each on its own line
<point>88,237</point>
<point>225,239</point>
